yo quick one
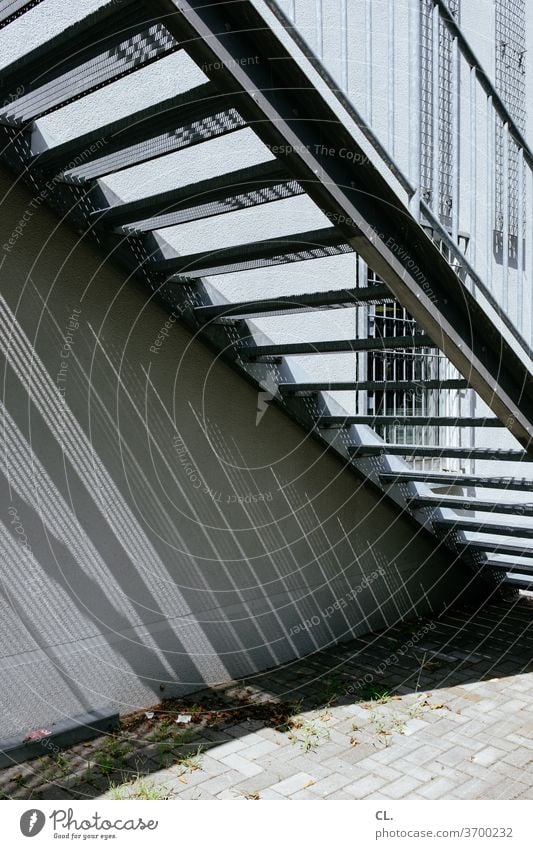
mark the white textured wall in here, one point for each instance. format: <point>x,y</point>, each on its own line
<point>121,573</point>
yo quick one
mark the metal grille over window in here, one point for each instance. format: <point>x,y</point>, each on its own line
<point>436,177</point>
<point>511,86</point>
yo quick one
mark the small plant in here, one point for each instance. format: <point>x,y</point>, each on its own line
<point>173,741</point>
<point>62,763</point>
<point>161,732</point>
<point>141,788</point>
<point>307,734</point>
<point>398,724</point>
<point>119,791</point>
<point>251,794</point>
<point>378,695</point>
<point>191,762</point>
<point>380,724</point>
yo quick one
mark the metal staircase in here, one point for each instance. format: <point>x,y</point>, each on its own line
<point>304,123</point>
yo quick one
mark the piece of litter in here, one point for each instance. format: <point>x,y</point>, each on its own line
<point>149,714</point>
<point>184,717</point>
<point>38,734</point>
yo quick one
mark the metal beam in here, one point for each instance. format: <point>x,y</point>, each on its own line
<point>498,548</point>
<point>246,187</point>
<point>456,503</point>
<point>294,248</point>
<point>371,386</point>
<point>476,527</point>
<point>406,421</point>
<point>11,9</point>
<point>336,346</point>
<point>312,301</point>
<point>444,479</point>
<point>289,111</point>
<point>523,569</point>
<point>395,450</point>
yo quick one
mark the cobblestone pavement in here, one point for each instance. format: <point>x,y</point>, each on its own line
<point>437,709</point>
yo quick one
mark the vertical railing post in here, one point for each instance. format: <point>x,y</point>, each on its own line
<point>456,138</point>
<point>319,30</point>
<point>435,22</point>
<point>344,46</point>
<point>414,129</point>
<point>520,242</point>
<point>391,84</point>
<point>473,167</point>
<point>368,33</point>
<point>505,220</point>
<point>489,172</point>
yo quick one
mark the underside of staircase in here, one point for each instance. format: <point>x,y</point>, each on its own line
<point>303,123</point>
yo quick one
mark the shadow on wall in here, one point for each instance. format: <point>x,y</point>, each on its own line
<point>158,534</point>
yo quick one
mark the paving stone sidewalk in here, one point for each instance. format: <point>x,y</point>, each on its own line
<point>438,709</point>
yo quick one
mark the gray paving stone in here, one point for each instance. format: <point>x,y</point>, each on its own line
<point>438,788</point>
<point>293,784</point>
<point>401,788</point>
<point>243,765</point>
<point>364,786</point>
<point>328,785</point>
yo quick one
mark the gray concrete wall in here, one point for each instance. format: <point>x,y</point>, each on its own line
<point>154,537</point>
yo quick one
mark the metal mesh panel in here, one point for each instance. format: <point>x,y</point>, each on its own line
<point>511,85</point>
<point>145,46</point>
<point>442,204</point>
<point>250,198</point>
<point>215,125</point>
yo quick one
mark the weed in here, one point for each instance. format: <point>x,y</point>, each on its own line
<point>307,734</point>
<point>141,788</point>
<point>191,762</point>
<point>104,762</point>
<point>251,794</point>
<point>379,695</point>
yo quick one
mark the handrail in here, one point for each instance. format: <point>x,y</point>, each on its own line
<point>484,79</point>
<point>487,294</point>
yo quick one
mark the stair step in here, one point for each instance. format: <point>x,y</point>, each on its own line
<point>186,119</point>
<point>492,454</point>
<point>336,299</point>
<point>444,479</point>
<point>297,247</point>
<point>95,51</point>
<point>14,8</point>
<point>474,526</point>
<point>520,550</point>
<point>456,503</point>
<point>519,582</point>
<point>335,346</point>
<point>258,184</point>
<point>509,567</point>
<point>407,421</point>
<point>371,386</point>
